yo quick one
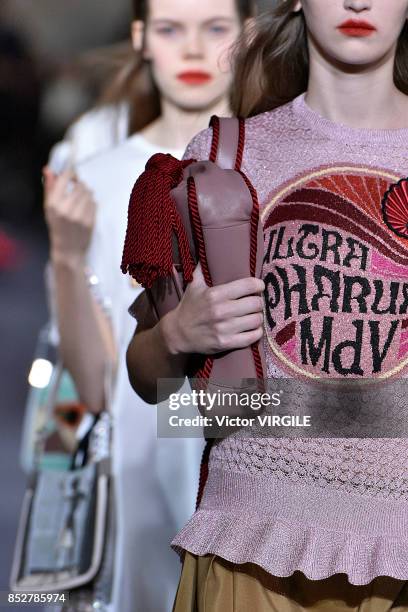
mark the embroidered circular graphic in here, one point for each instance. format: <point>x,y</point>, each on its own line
<point>336,277</point>
<point>395,208</point>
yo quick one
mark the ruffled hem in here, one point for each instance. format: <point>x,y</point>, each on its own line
<point>281,548</point>
<point>284,527</point>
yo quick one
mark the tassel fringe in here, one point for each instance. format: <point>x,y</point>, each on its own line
<point>153,219</point>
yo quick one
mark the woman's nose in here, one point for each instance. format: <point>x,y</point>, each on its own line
<point>193,45</point>
<point>358,5</point>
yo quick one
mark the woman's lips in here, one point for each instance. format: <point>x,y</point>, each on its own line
<point>356,28</point>
<point>194,77</point>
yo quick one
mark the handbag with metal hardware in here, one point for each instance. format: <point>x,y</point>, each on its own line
<point>66,530</point>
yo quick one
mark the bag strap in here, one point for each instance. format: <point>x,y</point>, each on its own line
<point>227,142</point>
<point>226,151</point>
<point>153,221</point>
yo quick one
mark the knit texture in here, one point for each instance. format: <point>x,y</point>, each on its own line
<point>336,306</point>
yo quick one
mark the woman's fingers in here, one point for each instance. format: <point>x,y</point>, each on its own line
<point>198,277</point>
<point>229,291</point>
<point>70,211</point>
<point>49,179</point>
<point>245,323</point>
<point>243,306</point>
<point>215,319</point>
<point>64,184</point>
<point>83,209</point>
<point>245,339</point>
<point>75,202</point>
<point>239,288</point>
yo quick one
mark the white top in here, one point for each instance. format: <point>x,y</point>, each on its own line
<point>94,132</point>
<point>157,479</point>
<point>111,177</point>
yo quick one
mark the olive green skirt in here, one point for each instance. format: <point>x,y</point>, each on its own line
<point>211,584</point>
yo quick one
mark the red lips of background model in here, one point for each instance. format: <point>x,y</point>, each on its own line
<point>352,27</point>
<point>194,77</point>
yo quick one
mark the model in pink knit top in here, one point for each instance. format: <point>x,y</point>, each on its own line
<point>336,276</point>
<point>323,86</point>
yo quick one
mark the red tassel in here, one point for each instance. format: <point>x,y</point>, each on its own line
<point>152,220</point>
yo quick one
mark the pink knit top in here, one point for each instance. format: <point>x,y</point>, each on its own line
<point>321,506</point>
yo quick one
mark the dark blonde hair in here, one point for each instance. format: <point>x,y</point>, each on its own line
<point>272,61</point>
<point>133,82</point>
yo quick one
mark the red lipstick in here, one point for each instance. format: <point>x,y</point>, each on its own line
<point>194,77</point>
<point>354,27</point>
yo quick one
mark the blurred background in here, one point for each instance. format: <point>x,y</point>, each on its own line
<point>45,82</point>
<point>47,79</point>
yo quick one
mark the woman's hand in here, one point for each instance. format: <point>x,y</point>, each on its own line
<point>70,215</point>
<point>210,320</point>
